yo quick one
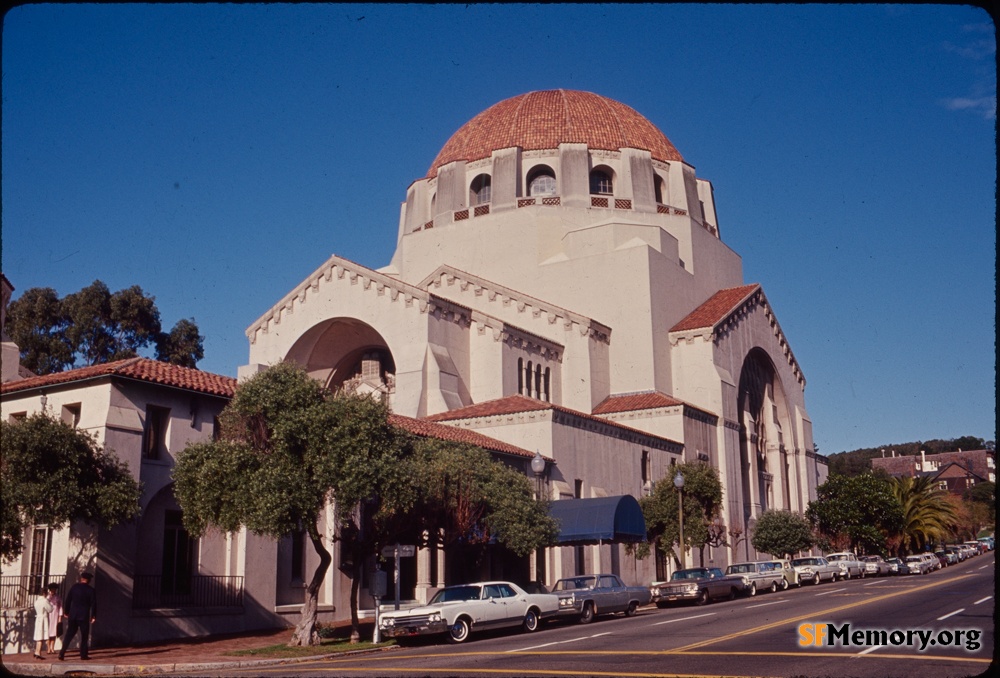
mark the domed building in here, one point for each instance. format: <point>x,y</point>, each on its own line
<point>560,284</point>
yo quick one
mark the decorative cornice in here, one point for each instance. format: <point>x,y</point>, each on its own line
<point>448,275</point>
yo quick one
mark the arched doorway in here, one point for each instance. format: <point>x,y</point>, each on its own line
<point>347,353</point>
<point>764,421</point>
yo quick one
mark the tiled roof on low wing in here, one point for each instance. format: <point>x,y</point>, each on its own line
<point>429,429</point>
<point>142,369</point>
<point>629,402</point>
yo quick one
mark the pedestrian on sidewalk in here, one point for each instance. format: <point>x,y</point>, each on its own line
<point>55,617</point>
<point>42,609</point>
<point>80,612</point>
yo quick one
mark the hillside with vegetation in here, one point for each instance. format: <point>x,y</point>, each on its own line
<point>858,461</point>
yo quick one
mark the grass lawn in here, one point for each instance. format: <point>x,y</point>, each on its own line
<point>326,646</point>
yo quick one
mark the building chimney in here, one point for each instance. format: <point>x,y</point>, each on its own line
<point>923,460</point>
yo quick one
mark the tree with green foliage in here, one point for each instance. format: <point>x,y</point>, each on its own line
<point>287,448</point>
<point>52,474</point>
<point>702,502</point>
<point>94,326</point>
<point>859,513</point>
<point>782,533</point>
<point>927,512</point>
<point>474,499</point>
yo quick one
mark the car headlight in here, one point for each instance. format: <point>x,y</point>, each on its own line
<point>566,602</point>
<point>435,617</point>
<point>388,622</point>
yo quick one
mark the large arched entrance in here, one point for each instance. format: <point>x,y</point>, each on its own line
<point>764,421</point>
<point>347,353</point>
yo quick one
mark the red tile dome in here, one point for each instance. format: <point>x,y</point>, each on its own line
<point>543,120</point>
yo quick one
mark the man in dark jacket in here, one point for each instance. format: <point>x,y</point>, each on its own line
<point>80,609</point>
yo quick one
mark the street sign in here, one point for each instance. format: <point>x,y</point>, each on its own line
<point>405,551</point>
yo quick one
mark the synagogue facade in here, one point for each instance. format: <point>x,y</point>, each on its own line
<point>560,283</point>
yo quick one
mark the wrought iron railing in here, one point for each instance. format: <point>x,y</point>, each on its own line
<point>155,591</point>
<point>18,591</point>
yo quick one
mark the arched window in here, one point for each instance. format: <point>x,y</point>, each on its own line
<point>600,182</point>
<point>658,189</point>
<point>479,190</point>
<point>520,376</point>
<point>541,181</point>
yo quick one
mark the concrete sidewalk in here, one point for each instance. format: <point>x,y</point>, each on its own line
<point>177,656</point>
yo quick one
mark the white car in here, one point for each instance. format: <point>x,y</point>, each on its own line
<point>875,566</point>
<point>848,563</point>
<point>815,569</point>
<point>457,611</point>
<point>918,564</point>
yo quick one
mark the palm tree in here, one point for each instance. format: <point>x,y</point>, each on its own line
<point>927,513</point>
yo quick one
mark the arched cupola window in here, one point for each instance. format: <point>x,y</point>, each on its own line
<point>480,190</point>
<point>601,183</point>
<point>658,189</point>
<point>541,181</point>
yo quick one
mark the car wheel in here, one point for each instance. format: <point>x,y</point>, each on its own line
<point>774,587</point>
<point>753,589</point>
<point>784,584</point>
<point>587,615</point>
<point>459,631</point>
<point>732,593</point>
<point>702,597</point>
<point>531,621</point>
<point>847,575</point>
<point>632,609</point>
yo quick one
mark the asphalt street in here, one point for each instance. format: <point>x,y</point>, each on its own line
<point>938,625</point>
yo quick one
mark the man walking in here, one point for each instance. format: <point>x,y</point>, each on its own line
<point>80,609</point>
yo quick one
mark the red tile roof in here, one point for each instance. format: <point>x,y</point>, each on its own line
<point>142,369</point>
<point>543,120</point>
<point>716,308</point>
<point>428,429</point>
<point>635,401</point>
<point>517,403</point>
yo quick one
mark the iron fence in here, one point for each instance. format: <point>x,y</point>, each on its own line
<point>152,591</point>
<point>17,591</point>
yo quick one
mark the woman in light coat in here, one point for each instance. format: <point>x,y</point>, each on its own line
<point>55,617</point>
<point>42,609</point>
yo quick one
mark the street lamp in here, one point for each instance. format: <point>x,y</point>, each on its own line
<point>679,484</point>
<point>538,467</point>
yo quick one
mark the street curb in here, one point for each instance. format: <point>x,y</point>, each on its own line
<point>63,668</point>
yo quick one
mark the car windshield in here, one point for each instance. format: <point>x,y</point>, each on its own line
<point>805,561</point>
<point>834,559</point>
<point>689,574</point>
<point>739,569</point>
<point>575,583</point>
<point>453,593</point>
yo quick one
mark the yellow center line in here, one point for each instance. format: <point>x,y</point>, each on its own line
<point>812,615</point>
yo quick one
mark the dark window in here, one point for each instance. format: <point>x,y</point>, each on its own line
<point>71,414</point>
<point>600,183</point>
<point>41,556</point>
<point>658,189</point>
<point>541,181</point>
<point>298,555</point>
<point>154,444</point>
<point>479,192</point>
<point>178,556</point>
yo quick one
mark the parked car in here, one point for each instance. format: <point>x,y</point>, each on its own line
<point>932,561</point>
<point>897,566</point>
<point>988,542</point>
<point>977,547</point>
<point>960,550</point>
<point>848,563</point>
<point>917,565</point>
<point>815,569</point>
<point>458,611</point>
<point>587,596</point>
<point>698,584</point>
<point>945,557</point>
<point>788,572</point>
<point>761,575</point>
<point>875,566</point>
<point>954,554</point>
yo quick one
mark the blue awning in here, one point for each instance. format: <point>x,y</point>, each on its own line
<point>601,519</point>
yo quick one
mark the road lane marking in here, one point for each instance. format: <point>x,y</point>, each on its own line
<point>951,614</point>
<point>983,600</point>
<point>697,616</point>
<point>871,649</point>
<point>814,615</point>
<point>826,593</point>
<point>776,602</point>
<point>559,642</point>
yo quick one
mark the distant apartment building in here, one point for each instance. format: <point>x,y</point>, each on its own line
<point>955,472</point>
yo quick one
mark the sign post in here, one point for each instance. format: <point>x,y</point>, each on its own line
<point>396,552</point>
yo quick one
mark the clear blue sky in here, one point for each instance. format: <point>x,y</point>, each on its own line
<point>215,155</point>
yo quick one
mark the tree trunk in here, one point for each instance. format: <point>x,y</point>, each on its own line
<point>305,631</point>
<point>356,573</point>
